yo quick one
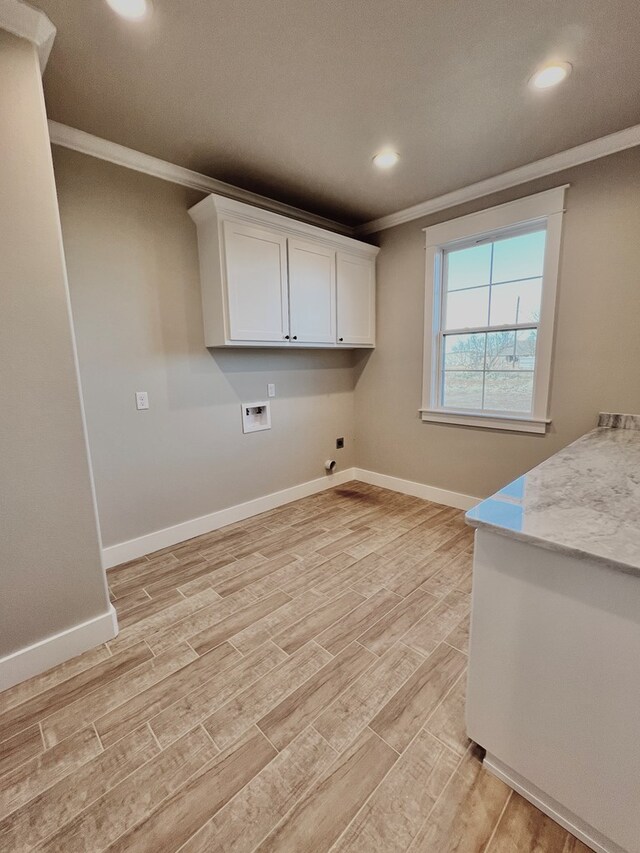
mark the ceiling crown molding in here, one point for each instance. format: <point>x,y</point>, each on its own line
<point>24,21</point>
<point>602,147</point>
<point>102,149</point>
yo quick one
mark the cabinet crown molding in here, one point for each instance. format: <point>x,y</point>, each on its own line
<point>217,206</point>
<point>24,21</point>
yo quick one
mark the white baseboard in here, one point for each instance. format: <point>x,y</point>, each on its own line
<point>113,555</point>
<point>56,649</point>
<point>567,819</point>
<point>417,490</point>
<point>134,548</point>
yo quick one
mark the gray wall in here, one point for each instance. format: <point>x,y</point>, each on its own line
<point>133,273</point>
<point>597,353</point>
<point>50,572</point>
<point>133,269</point>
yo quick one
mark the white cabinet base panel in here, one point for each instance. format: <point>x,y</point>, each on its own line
<point>554,684</point>
<point>587,834</point>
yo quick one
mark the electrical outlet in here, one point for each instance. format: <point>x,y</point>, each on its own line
<point>339,443</point>
<point>271,390</point>
<point>256,416</point>
<point>142,401</point>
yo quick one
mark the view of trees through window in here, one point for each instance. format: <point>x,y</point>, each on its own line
<point>491,310</point>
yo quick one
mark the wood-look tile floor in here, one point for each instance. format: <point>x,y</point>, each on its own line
<point>291,683</point>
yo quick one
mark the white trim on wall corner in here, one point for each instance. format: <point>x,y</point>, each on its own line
<point>134,548</point>
<point>103,149</point>
<point>41,656</point>
<point>417,490</point>
<point>28,23</point>
<point>594,150</point>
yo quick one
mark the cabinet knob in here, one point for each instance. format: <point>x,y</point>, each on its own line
<point>295,337</point>
<point>286,337</point>
<point>340,339</point>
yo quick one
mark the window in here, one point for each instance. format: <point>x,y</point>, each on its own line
<point>490,306</point>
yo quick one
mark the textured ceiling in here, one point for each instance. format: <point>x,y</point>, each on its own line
<point>290,98</point>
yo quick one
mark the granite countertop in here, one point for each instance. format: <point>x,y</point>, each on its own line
<point>583,501</point>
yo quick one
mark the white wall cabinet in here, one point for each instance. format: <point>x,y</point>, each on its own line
<point>356,301</point>
<point>268,280</point>
<point>312,292</point>
<point>256,272</point>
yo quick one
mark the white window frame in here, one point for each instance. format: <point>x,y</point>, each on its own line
<point>546,210</point>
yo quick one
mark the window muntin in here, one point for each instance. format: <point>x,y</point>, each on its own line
<point>491,294</point>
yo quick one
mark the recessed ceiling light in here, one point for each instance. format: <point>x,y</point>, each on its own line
<point>551,75</point>
<point>132,10</point>
<point>386,159</point>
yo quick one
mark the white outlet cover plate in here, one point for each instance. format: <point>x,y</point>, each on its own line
<point>142,401</point>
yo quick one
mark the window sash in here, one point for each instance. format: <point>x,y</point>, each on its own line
<point>441,372</point>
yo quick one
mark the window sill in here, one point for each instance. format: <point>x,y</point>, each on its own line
<point>504,422</point>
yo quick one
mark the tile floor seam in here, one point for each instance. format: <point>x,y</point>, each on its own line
<point>86,805</point>
<point>201,684</point>
<point>373,791</point>
<point>300,686</point>
<point>277,823</point>
<point>487,846</point>
<point>153,735</point>
<point>266,736</point>
<point>283,817</point>
<point>462,675</point>
<point>26,760</point>
<point>311,726</point>
<point>134,825</point>
<point>401,754</point>
<point>411,847</point>
<point>452,646</point>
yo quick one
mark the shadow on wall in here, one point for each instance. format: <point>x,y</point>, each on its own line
<point>360,361</point>
<point>294,373</point>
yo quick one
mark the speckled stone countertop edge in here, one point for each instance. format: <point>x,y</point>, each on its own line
<point>557,547</point>
<point>618,420</point>
<point>502,512</point>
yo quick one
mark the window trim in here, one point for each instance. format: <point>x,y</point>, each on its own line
<point>545,209</point>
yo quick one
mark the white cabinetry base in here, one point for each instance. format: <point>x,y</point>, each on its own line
<point>554,685</point>
<point>571,822</point>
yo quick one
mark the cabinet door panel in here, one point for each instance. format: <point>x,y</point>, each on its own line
<point>256,271</point>
<point>312,292</point>
<point>356,288</point>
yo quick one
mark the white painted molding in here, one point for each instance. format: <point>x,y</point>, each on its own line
<point>53,650</point>
<point>28,23</point>
<point>482,421</point>
<point>113,555</point>
<point>215,208</point>
<point>602,147</point>
<point>102,149</point>
<point>134,548</point>
<point>573,824</point>
<point>417,490</point>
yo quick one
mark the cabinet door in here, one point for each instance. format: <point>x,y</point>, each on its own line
<point>312,292</point>
<point>256,282</point>
<point>356,286</point>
